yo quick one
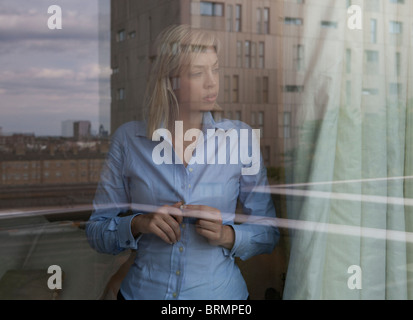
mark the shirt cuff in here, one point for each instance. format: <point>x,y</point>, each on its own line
<point>237,243</point>
<point>125,236</point>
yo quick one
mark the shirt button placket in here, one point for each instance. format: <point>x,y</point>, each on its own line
<point>175,283</point>
<point>178,262</point>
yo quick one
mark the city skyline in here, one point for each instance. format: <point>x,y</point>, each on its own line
<point>50,76</point>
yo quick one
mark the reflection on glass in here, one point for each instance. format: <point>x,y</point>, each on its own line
<point>329,85</point>
<point>174,201</point>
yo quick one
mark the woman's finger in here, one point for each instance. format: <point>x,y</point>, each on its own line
<point>169,229</point>
<point>202,212</point>
<point>174,211</point>
<point>209,225</point>
<point>161,234</point>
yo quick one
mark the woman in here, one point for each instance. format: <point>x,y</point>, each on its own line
<point>182,224</point>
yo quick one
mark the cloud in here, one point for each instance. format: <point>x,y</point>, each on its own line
<point>45,86</point>
<point>29,21</point>
<point>48,74</point>
<point>54,74</point>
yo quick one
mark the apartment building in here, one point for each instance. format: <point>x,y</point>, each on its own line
<point>27,160</point>
<point>248,67</point>
<point>38,171</point>
<point>58,169</point>
<point>273,56</point>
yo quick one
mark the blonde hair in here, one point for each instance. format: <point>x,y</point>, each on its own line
<point>176,45</point>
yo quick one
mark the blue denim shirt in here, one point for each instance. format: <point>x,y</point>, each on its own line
<point>190,268</point>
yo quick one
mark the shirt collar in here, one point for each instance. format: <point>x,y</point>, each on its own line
<point>140,128</point>
<point>208,122</point>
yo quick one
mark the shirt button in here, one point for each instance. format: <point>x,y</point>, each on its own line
<point>189,186</point>
<point>181,249</point>
<point>191,169</point>
<point>178,272</point>
<point>174,294</point>
<point>183,226</point>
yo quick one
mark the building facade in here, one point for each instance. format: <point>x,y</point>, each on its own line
<point>248,66</point>
<point>39,171</point>
<point>271,51</point>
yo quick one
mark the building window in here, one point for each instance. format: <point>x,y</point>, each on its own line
<point>396,27</point>
<point>261,123</point>
<point>120,94</point>
<point>293,21</point>
<point>261,89</point>
<point>253,54</point>
<point>238,18</point>
<point>372,56</point>
<point>395,89</point>
<point>229,18</point>
<point>299,57</point>
<point>239,53</point>
<point>293,88</point>
<point>247,54</point>
<point>261,55</point>
<point>348,60</point>
<point>329,24</point>
<point>121,35</point>
<point>263,20</point>
<point>259,20</point>
<point>235,89</point>
<point>373,30</point>
<point>212,9</point>
<point>286,125</point>
<point>266,27</point>
<point>370,91</point>
<point>227,89</point>
<point>371,64</point>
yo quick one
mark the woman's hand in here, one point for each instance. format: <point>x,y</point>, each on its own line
<point>164,223</point>
<point>210,225</point>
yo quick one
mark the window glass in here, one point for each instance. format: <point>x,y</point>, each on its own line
<point>260,150</point>
<point>207,8</point>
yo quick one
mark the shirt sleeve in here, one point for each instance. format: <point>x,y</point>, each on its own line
<point>109,227</point>
<point>257,234</point>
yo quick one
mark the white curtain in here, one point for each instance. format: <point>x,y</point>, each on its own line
<point>352,159</point>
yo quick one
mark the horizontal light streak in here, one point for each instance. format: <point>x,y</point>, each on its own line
<point>337,196</point>
<point>311,226</point>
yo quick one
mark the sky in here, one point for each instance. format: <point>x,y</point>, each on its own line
<point>49,76</point>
